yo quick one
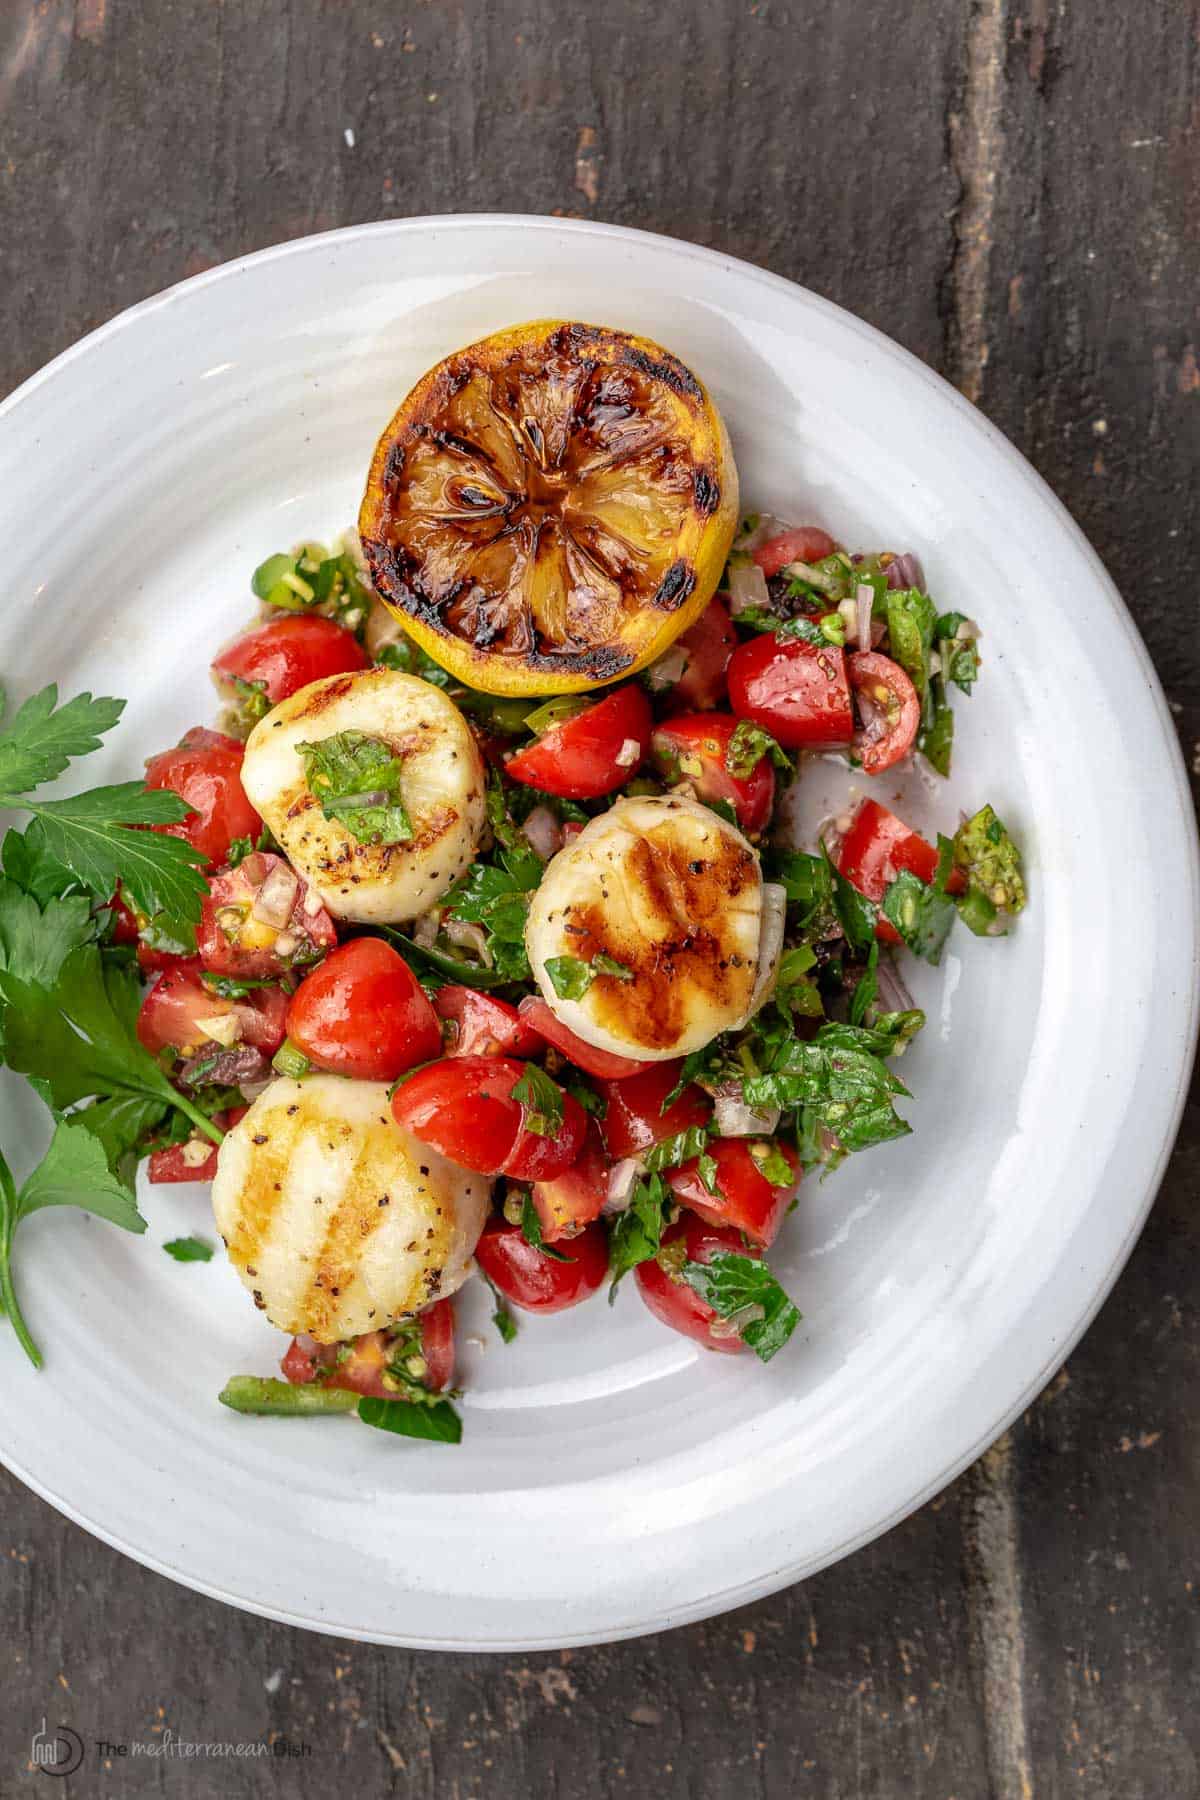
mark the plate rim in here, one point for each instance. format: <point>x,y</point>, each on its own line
<point>971,418</point>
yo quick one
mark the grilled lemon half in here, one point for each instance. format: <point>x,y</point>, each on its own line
<point>550,508</point>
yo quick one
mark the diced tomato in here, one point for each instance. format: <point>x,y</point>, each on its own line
<point>876,848</point>
<point>475,1024</point>
<point>803,543</point>
<point>596,751</point>
<point>694,748</point>
<point>125,922</point>
<point>361,1365</point>
<point>534,1281</point>
<point>178,1011</point>
<point>605,1063</point>
<point>744,1198</point>
<point>231,940</point>
<point>182,1162</point>
<point>574,1198</point>
<point>153,960</point>
<point>289,652</point>
<point>708,646</point>
<point>797,691</point>
<point>671,1299</point>
<point>205,770</point>
<point>634,1119</point>
<point>465,1107</point>
<point>888,707</point>
<point>363,1013</point>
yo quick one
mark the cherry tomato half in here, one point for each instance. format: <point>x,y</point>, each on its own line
<point>605,1063</point>
<point>465,1107</point>
<point>179,1010</point>
<point>671,1299</point>
<point>231,940</point>
<point>475,1024</point>
<point>205,770</point>
<point>888,707</point>
<point>634,1119</point>
<point>534,1281</point>
<point>288,652</point>
<point>694,748</point>
<point>184,1162</point>
<point>596,751</point>
<point>795,690</point>
<point>363,1013</point>
<point>708,646</point>
<point>876,848</point>
<point>576,1197</point>
<point>803,543</point>
<point>744,1199</point>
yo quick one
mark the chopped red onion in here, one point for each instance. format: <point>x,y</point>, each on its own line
<point>864,602</point>
<point>253,868</point>
<point>737,1321</point>
<point>622,1179</point>
<point>905,571</point>
<point>276,897</point>
<point>470,937</point>
<point>425,931</point>
<point>747,588</point>
<point>734,1118</point>
<point>667,670</point>
<point>229,1069</point>
<point>629,753</point>
<point>768,527</point>
<point>893,994</point>
<point>543,831</point>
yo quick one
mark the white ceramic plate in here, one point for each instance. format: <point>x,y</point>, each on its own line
<point>613,1479</point>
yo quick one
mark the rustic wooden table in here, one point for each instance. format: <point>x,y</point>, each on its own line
<point>1011,189</point>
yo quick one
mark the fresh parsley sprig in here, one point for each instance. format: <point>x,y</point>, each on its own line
<point>356,778</point>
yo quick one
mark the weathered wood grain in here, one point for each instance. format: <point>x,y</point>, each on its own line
<point>1012,189</point>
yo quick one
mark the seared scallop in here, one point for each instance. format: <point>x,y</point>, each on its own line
<point>336,1219</point>
<point>383,863</point>
<point>644,935</point>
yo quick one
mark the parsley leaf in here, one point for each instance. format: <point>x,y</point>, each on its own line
<point>41,738</point>
<point>496,896</point>
<point>531,1231</point>
<point>78,1036</point>
<point>636,1235</point>
<point>839,1081</point>
<point>571,977</point>
<point>991,861</point>
<point>771,1163</point>
<point>867,988</point>
<point>356,778</point>
<point>747,747</point>
<point>671,1152</point>
<point>437,1423</point>
<point>189,1249</point>
<point>921,913</point>
<point>92,835</point>
<point>911,618</point>
<point>502,1318</point>
<point>36,940</point>
<point>73,1172</point>
<point>733,1285</point>
<point>542,1100</point>
<point>856,914</point>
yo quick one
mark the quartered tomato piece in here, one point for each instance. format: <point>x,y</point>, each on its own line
<point>876,848</point>
<point>599,749</point>
<point>534,1281</point>
<point>888,707</point>
<point>795,690</point>
<point>671,1299</point>
<point>286,654</point>
<point>707,647</point>
<point>259,920</point>
<point>475,1024</point>
<point>605,1063</point>
<point>634,1119</point>
<point>363,1013</point>
<point>802,543</point>
<point>695,749</point>
<point>576,1197</point>
<point>744,1199</point>
<point>465,1106</point>
<point>195,1160</point>
<point>180,1013</point>
<point>204,769</point>
<point>361,1366</point>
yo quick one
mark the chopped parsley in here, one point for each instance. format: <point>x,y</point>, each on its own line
<point>189,1250</point>
<point>571,977</point>
<point>990,860</point>
<point>542,1100</point>
<point>736,1285</point>
<point>356,779</point>
<point>747,747</point>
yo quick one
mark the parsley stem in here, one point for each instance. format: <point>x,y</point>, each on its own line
<point>199,1119</point>
<point>8,1295</point>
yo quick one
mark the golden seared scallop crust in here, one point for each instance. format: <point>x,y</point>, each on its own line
<point>336,1219</point>
<point>551,507</point>
<point>442,785</point>
<point>671,893</point>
